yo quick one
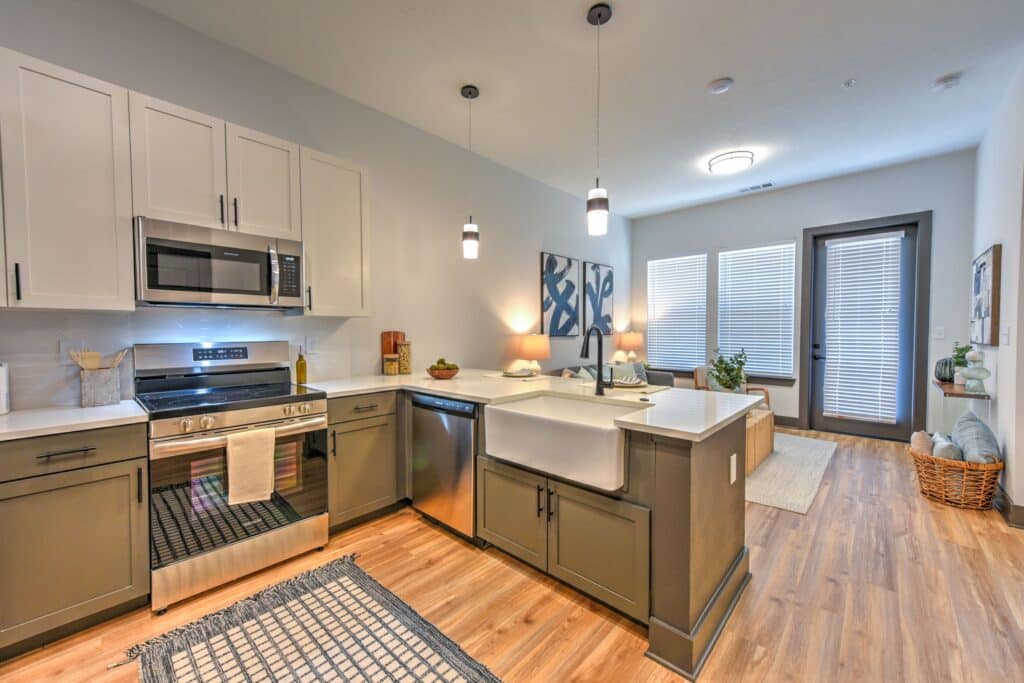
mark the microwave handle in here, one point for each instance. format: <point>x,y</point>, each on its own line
<point>275,275</point>
<point>166,449</point>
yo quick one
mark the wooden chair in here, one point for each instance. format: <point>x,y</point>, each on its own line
<point>760,421</point>
<point>700,381</point>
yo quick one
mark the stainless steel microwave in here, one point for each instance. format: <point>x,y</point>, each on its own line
<point>179,264</point>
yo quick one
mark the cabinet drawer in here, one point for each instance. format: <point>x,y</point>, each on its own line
<point>49,454</point>
<point>358,407</point>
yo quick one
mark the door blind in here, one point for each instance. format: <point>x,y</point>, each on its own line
<point>677,312</point>
<point>862,328</point>
<point>755,307</point>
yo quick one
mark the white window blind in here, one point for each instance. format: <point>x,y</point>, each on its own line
<point>677,290</point>
<point>862,327</point>
<point>755,307</point>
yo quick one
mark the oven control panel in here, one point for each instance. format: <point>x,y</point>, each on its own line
<point>221,353</point>
<point>291,283</point>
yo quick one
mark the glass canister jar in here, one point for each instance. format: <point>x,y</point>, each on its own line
<point>391,364</point>
<point>404,357</point>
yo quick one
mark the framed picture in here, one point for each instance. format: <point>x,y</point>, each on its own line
<point>598,297</point>
<point>559,295</point>
<point>985,282</point>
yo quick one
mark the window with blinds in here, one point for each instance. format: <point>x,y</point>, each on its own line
<point>862,327</point>
<point>677,312</point>
<point>756,289</point>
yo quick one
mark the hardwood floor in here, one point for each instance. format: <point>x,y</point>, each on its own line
<point>873,584</point>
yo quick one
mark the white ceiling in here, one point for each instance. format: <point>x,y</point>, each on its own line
<point>534,63</point>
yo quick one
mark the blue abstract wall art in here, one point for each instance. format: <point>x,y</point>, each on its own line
<point>598,305</point>
<point>559,295</point>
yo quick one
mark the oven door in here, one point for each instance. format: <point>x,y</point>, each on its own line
<point>189,511</point>
<point>184,264</point>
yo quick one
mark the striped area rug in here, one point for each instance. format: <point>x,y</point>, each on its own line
<point>334,623</point>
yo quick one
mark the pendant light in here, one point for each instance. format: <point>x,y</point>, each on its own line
<point>597,198</point>
<point>470,231</point>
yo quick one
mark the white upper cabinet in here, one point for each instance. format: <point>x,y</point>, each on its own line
<point>179,165</point>
<point>66,169</point>
<point>335,235</point>
<point>263,181</point>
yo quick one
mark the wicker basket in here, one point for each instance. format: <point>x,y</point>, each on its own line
<point>962,484</point>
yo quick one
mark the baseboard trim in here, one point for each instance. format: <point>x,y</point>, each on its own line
<point>1013,514</point>
<point>791,422</point>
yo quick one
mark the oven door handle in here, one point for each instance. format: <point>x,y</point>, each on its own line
<point>167,449</point>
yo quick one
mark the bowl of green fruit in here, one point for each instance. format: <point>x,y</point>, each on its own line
<point>442,369</point>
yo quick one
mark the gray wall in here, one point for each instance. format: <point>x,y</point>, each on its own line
<point>942,184</point>
<point>421,189</point>
<point>998,221</point>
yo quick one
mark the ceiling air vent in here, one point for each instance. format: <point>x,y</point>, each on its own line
<point>757,188</point>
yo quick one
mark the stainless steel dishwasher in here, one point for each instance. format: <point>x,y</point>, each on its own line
<point>444,438</point>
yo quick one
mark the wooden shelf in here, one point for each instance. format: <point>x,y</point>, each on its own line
<point>951,390</point>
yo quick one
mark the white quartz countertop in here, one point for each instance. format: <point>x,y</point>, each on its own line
<point>22,424</point>
<point>674,413</point>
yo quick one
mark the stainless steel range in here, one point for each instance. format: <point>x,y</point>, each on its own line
<point>196,396</point>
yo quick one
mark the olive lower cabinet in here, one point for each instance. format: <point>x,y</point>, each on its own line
<point>595,543</point>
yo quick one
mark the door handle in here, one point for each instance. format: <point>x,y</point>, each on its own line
<point>235,202</point>
<point>818,357</point>
<point>309,297</point>
<point>540,503</point>
<point>366,406</point>
<point>138,484</point>
<point>222,209</point>
<point>334,443</point>
<point>275,273</point>
<point>551,509</point>
<point>17,281</point>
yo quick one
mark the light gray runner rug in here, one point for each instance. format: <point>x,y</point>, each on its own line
<point>789,478</point>
<point>334,623</point>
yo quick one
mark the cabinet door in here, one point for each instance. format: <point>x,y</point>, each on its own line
<point>263,183</point>
<point>179,163</point>
<point>363,468</point>
<point>74,544</point>
<point>512,511</point>
<point>601,546</point>
<point>66,170</point>
<point>335,235</point>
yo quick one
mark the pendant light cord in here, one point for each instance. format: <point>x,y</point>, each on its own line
<point>470,136</point>
<point>597,127</point>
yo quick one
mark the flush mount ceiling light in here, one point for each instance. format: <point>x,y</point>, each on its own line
<point>470,231</point>
<point>947,82</point>
<point>720,86</point>
<point>597,198</point>
<point>731,162</point>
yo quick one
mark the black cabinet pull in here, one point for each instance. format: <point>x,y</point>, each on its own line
<point>540,503</point>
<point>235,201</point>
<point>17,281</point>
<point>73,451</point>
<point>138,484</point>
<point>222,209</point>
<point>551,510</point>
<point>366,406</point>
<point>309,297</point>
<point>334,444</point>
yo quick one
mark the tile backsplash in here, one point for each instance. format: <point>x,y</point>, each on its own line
<point>35,344</point>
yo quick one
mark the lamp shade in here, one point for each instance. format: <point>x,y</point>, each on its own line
<point>534,347</point>
<point>631,341</point>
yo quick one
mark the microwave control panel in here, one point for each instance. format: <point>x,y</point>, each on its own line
<point>291,283</point>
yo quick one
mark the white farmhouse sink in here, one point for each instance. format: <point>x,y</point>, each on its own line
<point>573,438</point>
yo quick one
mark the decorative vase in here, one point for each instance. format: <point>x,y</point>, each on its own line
<point>959,378</point>
<point>945,370</point>
<point>975,373</point>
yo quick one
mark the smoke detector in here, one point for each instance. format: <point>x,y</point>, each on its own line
<point>720,85</point>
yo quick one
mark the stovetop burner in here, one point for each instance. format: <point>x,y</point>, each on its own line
<point>164,404</point>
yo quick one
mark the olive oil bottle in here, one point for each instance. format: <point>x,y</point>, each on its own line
<point>300,368</point>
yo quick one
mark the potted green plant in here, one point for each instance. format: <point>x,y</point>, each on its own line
<point>726,372</point>
<point>960,352</point>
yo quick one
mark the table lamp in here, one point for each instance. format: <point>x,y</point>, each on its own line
<point>631,342</point>
<point>533,348</point>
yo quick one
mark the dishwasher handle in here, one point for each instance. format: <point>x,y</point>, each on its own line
<point>445,405</point>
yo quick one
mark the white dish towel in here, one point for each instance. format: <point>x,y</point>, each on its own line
<point>250,466</point>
